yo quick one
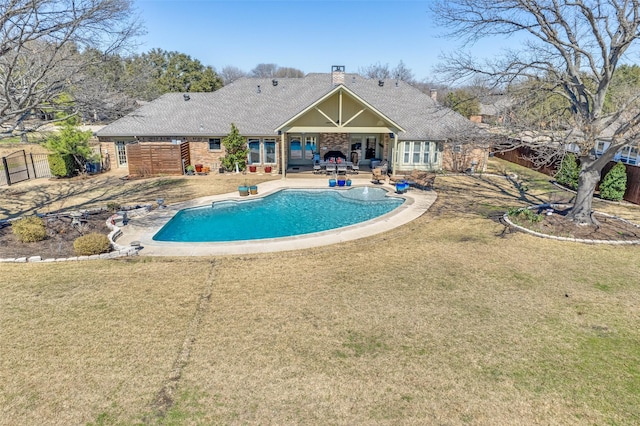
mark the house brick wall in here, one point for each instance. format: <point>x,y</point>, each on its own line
<point>198,150</point>
<point>335,142</point>
<point>200,154</point>
<point>458,157</point>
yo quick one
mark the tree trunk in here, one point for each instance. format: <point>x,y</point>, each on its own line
<point>590,171</point>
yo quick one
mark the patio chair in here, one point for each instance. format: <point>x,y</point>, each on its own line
<point>355,167</point>
<point>342,168</point>
<point>317,169</point>
<point>331,168</point>
<point>377,175</point>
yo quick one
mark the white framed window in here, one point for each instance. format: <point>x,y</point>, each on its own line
<point>215,144</point>
<point>270,152</point>
<point>254,151</point>
<point>419,153</point>
<point>295,148</point>
<point>309,147</point>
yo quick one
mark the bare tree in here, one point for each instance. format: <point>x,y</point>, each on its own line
<point>288,72</point>
<point>572,49</point>
<point>273,70</point>
<point>264,70</point>
<point>376,71</point>
<point>229,74</point>
<point>382,71</point>
<point>39,45</point>
<point>402,73</point>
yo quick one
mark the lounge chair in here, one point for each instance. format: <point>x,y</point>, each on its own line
<point>342,168</point>
<point>355,168</point>
<point>377,175</point>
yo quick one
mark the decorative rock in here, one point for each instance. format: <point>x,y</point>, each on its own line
<point>21,260</point>
<point>34,259</point>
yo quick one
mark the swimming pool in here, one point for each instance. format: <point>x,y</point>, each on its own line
<point>284,213</point>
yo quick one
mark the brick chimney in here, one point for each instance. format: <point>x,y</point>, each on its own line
<point>337,74</point>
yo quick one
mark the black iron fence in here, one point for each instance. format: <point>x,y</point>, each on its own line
<point>20,166</point>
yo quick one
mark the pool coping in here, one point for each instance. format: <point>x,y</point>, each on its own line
<point>140,230</point>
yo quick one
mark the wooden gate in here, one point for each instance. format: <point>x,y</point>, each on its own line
<point>157,158</point>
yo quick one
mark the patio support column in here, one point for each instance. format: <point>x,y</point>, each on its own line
<point>394,152</point>
<point>282,158</point>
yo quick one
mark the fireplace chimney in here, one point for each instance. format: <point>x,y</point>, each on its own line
<point>337,75</point>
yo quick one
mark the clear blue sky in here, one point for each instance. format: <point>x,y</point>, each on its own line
<point>305,34</point>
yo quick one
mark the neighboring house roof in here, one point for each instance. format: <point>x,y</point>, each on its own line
<point>260,113</point>
<point>495,105</point>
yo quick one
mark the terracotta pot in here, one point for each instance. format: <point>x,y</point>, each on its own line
<point>267,169</point>
<point>198,168</point>
<point>252,169</point>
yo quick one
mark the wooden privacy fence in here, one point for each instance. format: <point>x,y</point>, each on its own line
<point>519,156</point>
<point>20,166</point>
<point>157,158</point>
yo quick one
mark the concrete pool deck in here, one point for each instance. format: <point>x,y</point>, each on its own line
<point>142,228</point>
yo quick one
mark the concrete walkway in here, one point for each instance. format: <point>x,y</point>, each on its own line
<point>143,228</point>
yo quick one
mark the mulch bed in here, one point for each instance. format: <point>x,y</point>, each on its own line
<point>60,237</point>
<point>557,224</point>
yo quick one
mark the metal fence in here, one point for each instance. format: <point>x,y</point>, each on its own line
<point>20,166</point>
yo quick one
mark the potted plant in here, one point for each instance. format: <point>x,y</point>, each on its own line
<point>198,168</point>
<point>243,190</point>
<point>348,181</point>
<point>190,169</point>
<point>252,169</point>
<point>267,169</point>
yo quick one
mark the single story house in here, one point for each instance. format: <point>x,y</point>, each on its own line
<point>290,122</point>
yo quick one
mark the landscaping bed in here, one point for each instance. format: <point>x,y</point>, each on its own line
<point>60,237</point>
<point>558,225</point>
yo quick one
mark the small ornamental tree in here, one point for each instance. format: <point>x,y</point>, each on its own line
<point>614,183</point>
<point>71,142</point>
<point>569,171</point>
<point>236,150</point>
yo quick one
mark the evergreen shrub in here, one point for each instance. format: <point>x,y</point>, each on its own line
<point>614,183</point>
<point>29,229</point>
<point>62,165</point>
<point>569,171</point>
<point>90,244</point>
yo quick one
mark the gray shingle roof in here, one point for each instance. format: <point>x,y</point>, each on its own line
<point>259,114</point>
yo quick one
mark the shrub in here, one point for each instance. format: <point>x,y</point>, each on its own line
<point>614,183</point>
<point>62,165</point>
<point>93,243</point>
<point>113,206</point>
<point>29,229</point>
<point>569,171</point>
<point>522,214</point>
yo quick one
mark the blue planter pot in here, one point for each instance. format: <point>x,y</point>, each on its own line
<point>342,182</point>
<point>332,182</point>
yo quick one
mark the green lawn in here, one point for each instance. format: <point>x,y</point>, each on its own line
<point>446,320</point>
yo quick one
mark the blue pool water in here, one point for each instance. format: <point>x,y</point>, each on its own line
<point>282,214</point>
